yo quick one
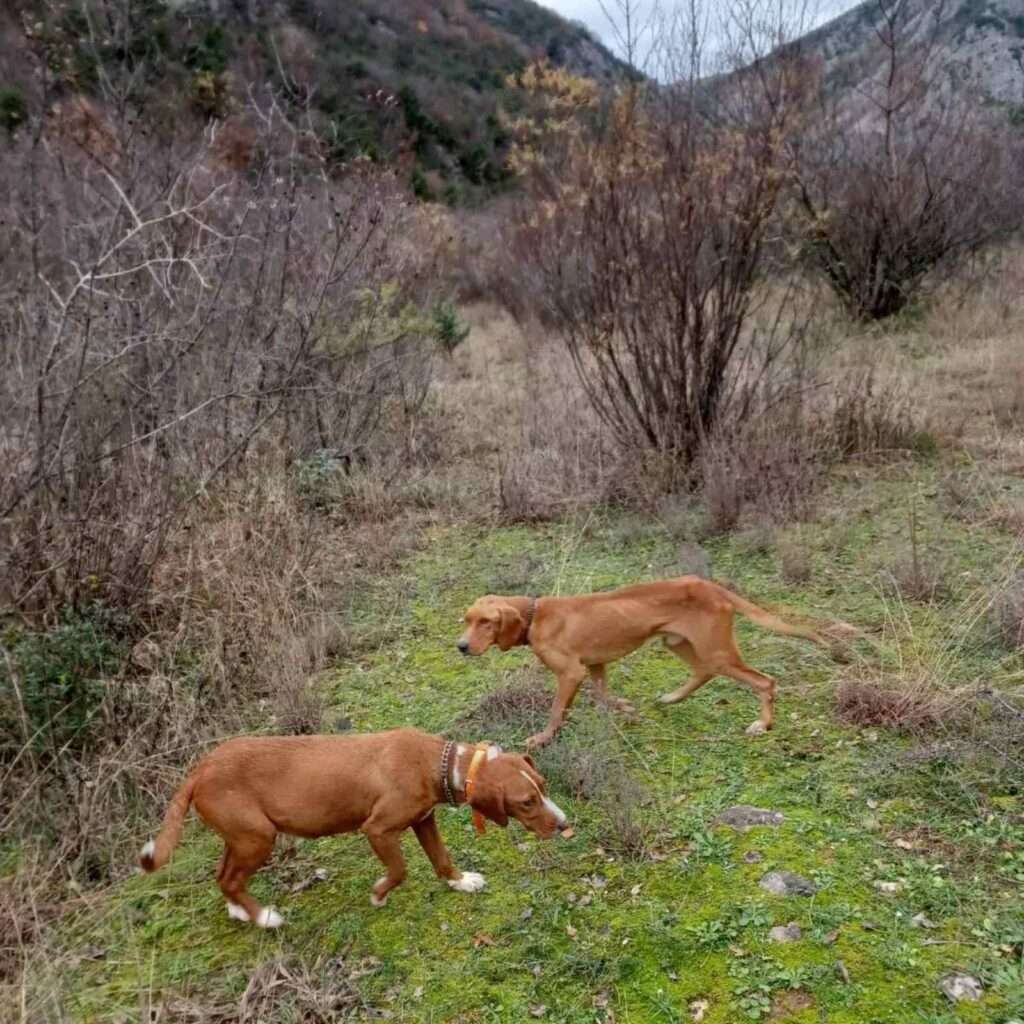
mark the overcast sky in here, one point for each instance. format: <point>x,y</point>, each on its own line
<point>591,14</point>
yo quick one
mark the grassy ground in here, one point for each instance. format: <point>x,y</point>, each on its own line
<point>647,912</point>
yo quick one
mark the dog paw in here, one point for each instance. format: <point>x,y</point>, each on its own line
<point>269,918</point>
<point>375,900</point>
<point>237,913</point>
<point>757,728</point>
<point>667,698</point>
<point>541,739</point>
<point>470,881</point>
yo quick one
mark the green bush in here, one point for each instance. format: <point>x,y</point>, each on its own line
<point>449,330</point>
<point>52,682</point>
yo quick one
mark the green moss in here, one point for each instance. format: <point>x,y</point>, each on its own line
<point>565,924</point>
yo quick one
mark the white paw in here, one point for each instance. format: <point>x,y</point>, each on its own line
<point>756,728</point>
<point>668,698</point>
<point>375,900</point>
<point>269,918</point>
<point>148,850</point>
<point>237,913</point>
<point>471,881</point>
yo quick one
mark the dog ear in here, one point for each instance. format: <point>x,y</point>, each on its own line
<point>510,628</point>
<point>489,800</point>
<point>529,761</point>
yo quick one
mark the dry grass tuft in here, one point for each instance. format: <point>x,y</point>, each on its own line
<point>510,709</point>
<point>1008,612</point>
<point>913,704</point>
<point>286,988</point>
<point>794,559</point>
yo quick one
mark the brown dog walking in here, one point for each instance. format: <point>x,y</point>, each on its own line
<point>250,789</point>
<point>574,636</point>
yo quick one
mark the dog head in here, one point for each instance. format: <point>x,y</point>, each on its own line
<point>509,786</point>
<point>491,620</point>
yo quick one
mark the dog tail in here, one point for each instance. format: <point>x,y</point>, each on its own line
<point>157,852</point>
<point>766,620</point>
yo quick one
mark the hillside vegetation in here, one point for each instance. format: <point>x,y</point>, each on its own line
<point>410,82</point>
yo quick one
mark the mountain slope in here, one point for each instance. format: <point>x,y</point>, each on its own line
<point>414,81</point>
<point>972,43</point>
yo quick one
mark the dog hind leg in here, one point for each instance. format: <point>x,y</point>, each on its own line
<point>701,674</point>
<point>242,858</point>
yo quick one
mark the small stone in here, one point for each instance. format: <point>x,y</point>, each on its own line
<point>961,988</point>
<point>635,891</point>
<point>785,883</point>
<point>888,888</point>
<point>832,938</point>
<point>567,833</point>
<point>698,1009</point>
<point>526,914</point>
<point>753,857</point>
<point>922,921</point>
<point>743,817</point>
<point>570,931</point>
<point>785,932</point>
<point>585,900</point>
<point>903,844</point>
<point>842,973</point>
<point>538,1011</point>
<point>872,804</point>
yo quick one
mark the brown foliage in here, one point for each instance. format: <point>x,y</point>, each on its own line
<point>643,240</point>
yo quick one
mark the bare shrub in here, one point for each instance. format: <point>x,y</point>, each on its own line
<point>644,238</point>
<point>770,467</point>
<point>1008,612</point>
<point>167,322</point>
<point>904,177</point>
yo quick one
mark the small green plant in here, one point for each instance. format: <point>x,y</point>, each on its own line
<point>420,186</point>
<point>449,330</point>
<point>720,932</point>
<point>756,978</point>
<point>13,109</point>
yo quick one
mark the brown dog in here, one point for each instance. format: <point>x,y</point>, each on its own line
<point>250,789</point>
<point>577,635</point>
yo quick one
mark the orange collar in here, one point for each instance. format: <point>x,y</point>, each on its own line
<point>479,755</point>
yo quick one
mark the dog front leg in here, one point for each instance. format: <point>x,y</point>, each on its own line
<point>430,839</point>
<point>569,680</point>
<point>388,848</point>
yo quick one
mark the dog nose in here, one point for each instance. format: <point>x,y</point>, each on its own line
<point>464,646</point>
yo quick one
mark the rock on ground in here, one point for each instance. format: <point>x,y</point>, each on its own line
<point>785,883</point>
<point>743,816</point>
<point>961,988</point>
<point>785,932</point>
